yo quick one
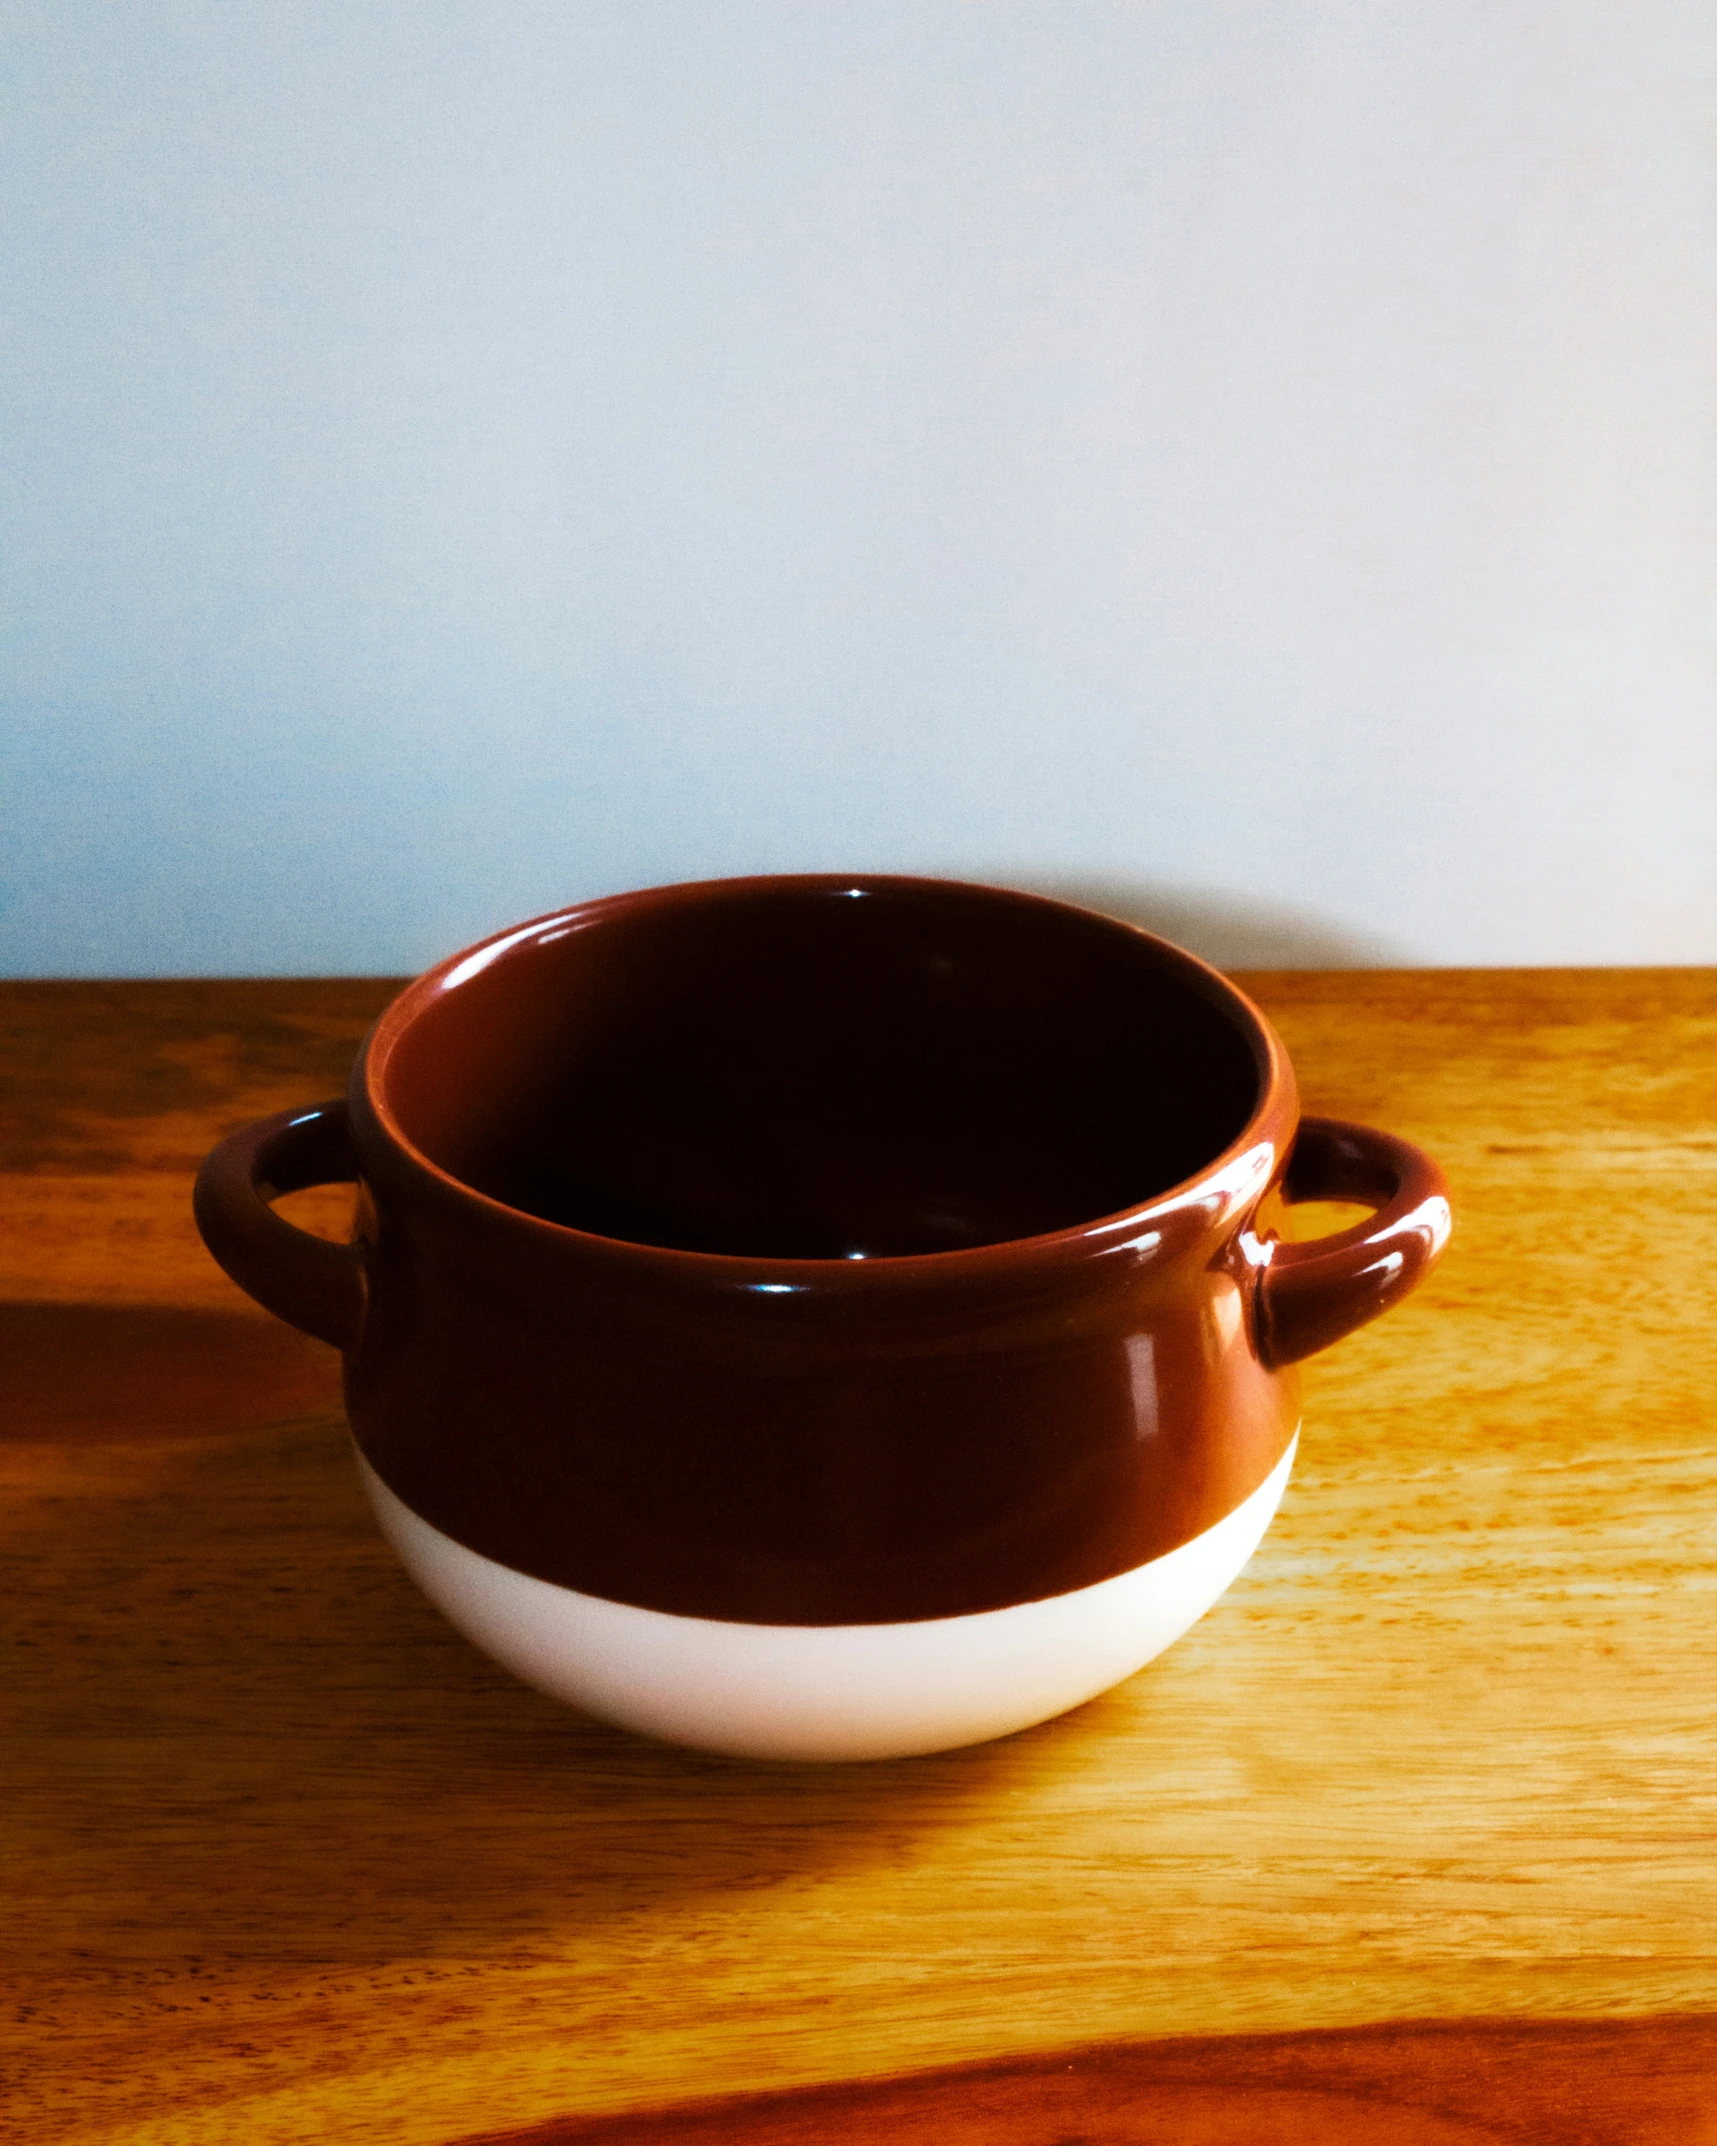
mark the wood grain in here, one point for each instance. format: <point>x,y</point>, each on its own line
<point>286,1860</point>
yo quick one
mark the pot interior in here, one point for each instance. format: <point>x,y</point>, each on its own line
<point>822,1069</point>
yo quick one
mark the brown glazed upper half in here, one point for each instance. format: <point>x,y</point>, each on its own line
<point>823,1250</point>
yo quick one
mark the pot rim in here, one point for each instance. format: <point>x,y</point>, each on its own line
<point>1204,1204</point>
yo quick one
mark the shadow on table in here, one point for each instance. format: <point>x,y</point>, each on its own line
<point>239,1729</point>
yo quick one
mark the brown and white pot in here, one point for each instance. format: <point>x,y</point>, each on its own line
<point>823,1317</point>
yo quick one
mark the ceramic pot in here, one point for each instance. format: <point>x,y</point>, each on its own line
<point>822,1317</point>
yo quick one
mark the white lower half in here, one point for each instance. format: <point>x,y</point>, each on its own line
<point>844,1691</point>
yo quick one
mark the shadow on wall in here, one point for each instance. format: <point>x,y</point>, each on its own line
<point>1228,931</point>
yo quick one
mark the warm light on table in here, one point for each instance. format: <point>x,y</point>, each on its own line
<point>287,1860</point>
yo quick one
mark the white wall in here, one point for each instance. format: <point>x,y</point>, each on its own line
<point>1254,461</point>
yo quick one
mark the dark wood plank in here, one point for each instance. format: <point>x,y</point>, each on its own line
<point>1410,2083</point>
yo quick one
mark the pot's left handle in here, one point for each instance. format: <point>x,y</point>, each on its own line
<point>312,1284</point>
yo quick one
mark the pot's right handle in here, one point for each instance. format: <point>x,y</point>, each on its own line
<point>310,1283</point>
<point>1311,1294</point>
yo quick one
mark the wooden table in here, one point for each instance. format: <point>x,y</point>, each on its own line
<point>1410,1841</point>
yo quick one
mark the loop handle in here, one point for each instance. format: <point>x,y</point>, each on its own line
<point>1312,1294</point>
<point>314,1285</point>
